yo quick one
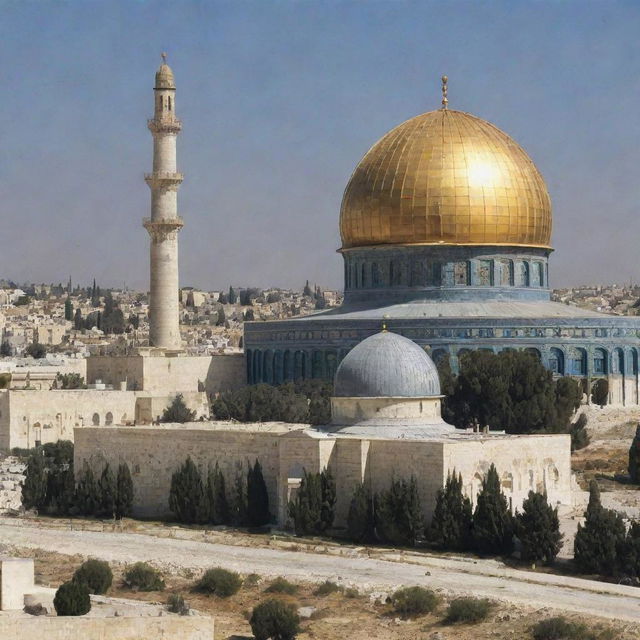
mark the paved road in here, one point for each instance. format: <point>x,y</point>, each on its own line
<point>459,576</point>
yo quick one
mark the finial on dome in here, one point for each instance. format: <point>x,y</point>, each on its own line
<point>163,55</point>
<point>445,100</point>
<point>384,323</point>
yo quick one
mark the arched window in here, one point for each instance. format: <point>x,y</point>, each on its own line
<point>534,352</point>
<point>618,361</point>
<point>354,276</point>
<point>363,276</point>
<point>317,364</point>
<point>331,363</point>
<point>268,367</point>
<point>579,362</point>
<point>249,359</point>
<point>169,103</point>
<point>522,274</point>
<point>287,366</point>
<point>600,362</point>
<point>556,361</point>
<point>108,419</point>
<point>506,273</point>
<point>278,374</point>
<point>392,273</point>
<point>539,274</point>
<point>96,420</point>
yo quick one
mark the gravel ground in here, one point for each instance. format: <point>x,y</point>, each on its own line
<point>485,578</point>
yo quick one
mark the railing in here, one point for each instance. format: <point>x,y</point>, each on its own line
<point>164,176</point>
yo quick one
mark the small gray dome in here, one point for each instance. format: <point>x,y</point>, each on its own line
<point>387,365</point>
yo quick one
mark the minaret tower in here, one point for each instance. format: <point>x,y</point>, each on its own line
<point>164,223</point>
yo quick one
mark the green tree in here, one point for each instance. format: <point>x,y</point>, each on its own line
<point>600,392</point>
<point>307,290</point>
<point>451,524</point>
<point>124,492</point>
<point>538,529</point>
<point>87,498</point>
<point>69,381</point>
<point>579,435</point>
<point>629,553</point>
<point>232,297</point>
<point>313,507</point>
<point>249,315</point>
<point>95,574</point>
<point>178,411</point>
<point>239,503</point>
<point>568,399</point>
<point>78,322</point>
<point>34,489</point>
<point>107,493</point>
<point>257,497</point>
<point>492,521</point>
<point>217,504</point>
<point>221,317</point>
<point>5,349</point>
<point>186,497</point>
<point>599,541</point>
<point>72,599</point>
<point>360,520</point>
<point>275,619</point>
<point>36,350</point>
<point>398,513</point>
<point>68,309</point>
<point>634,457</point>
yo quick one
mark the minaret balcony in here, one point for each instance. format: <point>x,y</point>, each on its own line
<point>161,125</point>
<point>164,179</point>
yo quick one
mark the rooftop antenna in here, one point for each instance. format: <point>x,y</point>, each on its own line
<point>445,100</point>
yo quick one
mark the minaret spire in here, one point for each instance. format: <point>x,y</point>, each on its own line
<point>445,100</point>
<point>164,224</point>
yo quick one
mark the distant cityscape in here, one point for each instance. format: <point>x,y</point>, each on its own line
<point>54,322</point>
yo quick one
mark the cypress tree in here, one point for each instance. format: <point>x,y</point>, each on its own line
<point>78,323</point>
<point>124,492</point>
<point>360,524</point>
<point>217,504</point>
<point>68,309</point>
<point>178,411</point>
<point>328,496</point>
<point>257,497</point>
<point>492,521</point>
<point>107,493</point>
<point>451,524</point>
<point>232,297</point>
<point>239,506</point>
<point>34,489</point>
<point>398,513</point>
<point>538,529</point>
<point>86,499</point>
<point>634,457</point>
<point>306,507</point>
<point>629,556</point>
<point>598,543</point>
<point>186,497</point>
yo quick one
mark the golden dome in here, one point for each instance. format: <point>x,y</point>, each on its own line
<point>446,177</point>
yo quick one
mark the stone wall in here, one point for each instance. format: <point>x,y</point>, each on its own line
<point>120,628</point>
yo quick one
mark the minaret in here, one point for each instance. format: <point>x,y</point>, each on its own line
<point>164,223</point>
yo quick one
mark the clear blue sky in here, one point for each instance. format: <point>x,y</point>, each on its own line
<point>279,101</point>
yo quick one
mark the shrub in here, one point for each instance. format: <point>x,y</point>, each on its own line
<point>399,513</point>
<point>600,392</point>
<point>72,599</point>
<point>492,521</point>
<point>599,541</point>
<point>560,628</point>
<point>176,604</point>
<point>313,508</point>
<point>282,585</point>
<point>143,577</point>
<point>351,592</point>
<point>186,497</point>
<point>634,457</point>
<point>34,490</point>
<point>451,524</point>
<point>219,582</point>
<point>414,601</point>
<point>178,411</point>
<point>257,497</point>
<point>579,436</point>
<point>36,350</point>
<point>252,580</point>
<point>468,610</point>
<point>95,574</point>
<point>360,520</point>
<point>276,620</point>
<point>538,529</point>
<point>326,588</point>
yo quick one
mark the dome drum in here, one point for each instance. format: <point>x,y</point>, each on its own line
<point>403,274</point>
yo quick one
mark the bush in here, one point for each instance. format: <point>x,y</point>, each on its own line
<point>560,628</point>
<point>351,592</point>
<point>143,577</point>
<point>95,574</point>
<point>468,610</point>
<point>219,582</point>
<point>599,542</point>
<point>451,523</point>
<point>327,588</point>
<point>176,604</point>
<point>178,411</point>
<point>399,513</point>
<point>36,350</point>
<point>492,521</point>
<point>275,620</point>
<point>579,436</point>
<point>282,585</point>
<point>634,457</point>
<point>414,601</point>
<point>538,529</point>
<point>360,520</point>
<point>186,497</point>
<point>600,392</point>
<point>72,599</point>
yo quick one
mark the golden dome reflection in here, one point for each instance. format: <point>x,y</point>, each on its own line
<point>446,177</point>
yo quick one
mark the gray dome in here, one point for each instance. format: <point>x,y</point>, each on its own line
<point>386,365</point>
